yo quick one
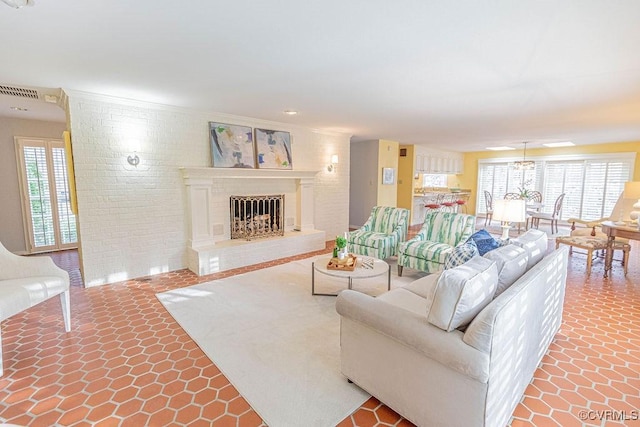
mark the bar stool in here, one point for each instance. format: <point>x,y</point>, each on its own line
<point>432,201</point>
<point>448,203</point>
<point>461,201</point>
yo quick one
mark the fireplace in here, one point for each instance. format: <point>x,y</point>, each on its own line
<point>254,217</point>
<point>210,248</point>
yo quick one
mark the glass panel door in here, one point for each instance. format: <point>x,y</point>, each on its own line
<point>49,222</point>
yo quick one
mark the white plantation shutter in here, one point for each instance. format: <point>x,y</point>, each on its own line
<point>485,182</point>
<point>45,195</point>
<point>494,179</point>
<point>502,178</point>
<point>66,218</point>
<point>39,200</point>
<point>563,177</point>
<point>515,181</point>
<point>594,180</point>
<point>604,182</point>
<point>617,174</point>
<point>591,186</point>
<point>573,190</point>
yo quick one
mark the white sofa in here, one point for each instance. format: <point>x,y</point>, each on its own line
<point>27,281</point>
<point>473,378</point>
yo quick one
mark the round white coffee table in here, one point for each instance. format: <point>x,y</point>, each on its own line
<point>379,268</point>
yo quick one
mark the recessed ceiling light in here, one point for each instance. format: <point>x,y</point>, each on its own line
<point>19,109</point>
<point>559,144</point>
<point>500,148</point>
<point>290,112</point>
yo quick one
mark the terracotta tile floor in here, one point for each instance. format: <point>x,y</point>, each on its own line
<point>127,362</point>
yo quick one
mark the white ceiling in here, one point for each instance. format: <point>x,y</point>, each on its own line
<point>459,75</point>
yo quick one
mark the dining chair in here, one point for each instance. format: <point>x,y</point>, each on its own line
<point>488,203</point>
<point>534,204</point>
<point>553,217</point>
<point>535,196</point>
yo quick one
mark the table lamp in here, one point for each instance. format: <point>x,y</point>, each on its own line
<point>632,191</point>
<point>508,211</point>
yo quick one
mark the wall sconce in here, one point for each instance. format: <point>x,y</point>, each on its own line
<point>334,162</point>
<point>134,160</point>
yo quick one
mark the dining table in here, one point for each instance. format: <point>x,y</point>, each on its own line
<point>535,206</point>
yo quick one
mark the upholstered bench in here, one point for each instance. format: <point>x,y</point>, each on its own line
<point>591,244</point>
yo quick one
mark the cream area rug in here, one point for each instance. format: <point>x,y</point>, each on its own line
<point>275,342</point>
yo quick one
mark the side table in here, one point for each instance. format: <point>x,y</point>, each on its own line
<point>612,230</point>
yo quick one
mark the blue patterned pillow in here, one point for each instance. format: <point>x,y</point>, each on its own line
<point>504,242</point>
<point>460,254</point>
<point>484,241</point>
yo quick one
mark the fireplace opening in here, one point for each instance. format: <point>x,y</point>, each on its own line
<point>253,217</point>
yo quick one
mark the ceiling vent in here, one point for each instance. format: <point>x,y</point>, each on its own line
<point>19,91</point>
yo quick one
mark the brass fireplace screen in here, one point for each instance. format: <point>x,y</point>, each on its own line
<point>254,217</point>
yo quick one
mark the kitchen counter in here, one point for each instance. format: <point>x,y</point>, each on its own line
<point>420,199</point>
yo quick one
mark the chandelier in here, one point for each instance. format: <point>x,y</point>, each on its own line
<point>524,164</point>
<point>17,4</point>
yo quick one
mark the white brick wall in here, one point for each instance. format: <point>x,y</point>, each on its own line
<point>132,220</point>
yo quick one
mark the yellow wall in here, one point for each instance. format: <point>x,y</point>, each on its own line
<point>469,179</point>
<point>388,152</point>
<point>405,178</point>
<point>453,181</point>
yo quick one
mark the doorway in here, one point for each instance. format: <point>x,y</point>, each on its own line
<point>49,223</point>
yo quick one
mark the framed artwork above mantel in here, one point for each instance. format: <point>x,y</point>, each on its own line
<point>273,149</point>
<point>231,146</point>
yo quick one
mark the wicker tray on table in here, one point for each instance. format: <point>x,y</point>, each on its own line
<point>346,264</point>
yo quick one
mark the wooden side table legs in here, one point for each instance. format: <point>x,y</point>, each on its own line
<point>608,258</point>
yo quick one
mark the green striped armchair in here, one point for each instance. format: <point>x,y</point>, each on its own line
<point>380,235</point>
<point>440,233</point>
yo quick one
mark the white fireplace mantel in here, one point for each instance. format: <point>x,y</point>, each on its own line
<point>209,249</point>
<point>200,183</point>
<point>235,173</point>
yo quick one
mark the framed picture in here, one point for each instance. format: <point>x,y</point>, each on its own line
<point>273,149</point>
<point>388,176</point>
<point>231,146</point>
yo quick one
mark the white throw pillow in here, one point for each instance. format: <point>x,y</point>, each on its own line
<point>461,293</point>
<point>535,243</point>
<point>424,285</point>
<point>511,262</point>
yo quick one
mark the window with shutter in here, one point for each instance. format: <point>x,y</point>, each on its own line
<point>39,196</point>
<point>66,218</point>
<point>49,222</point>
<point>591,185</point>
